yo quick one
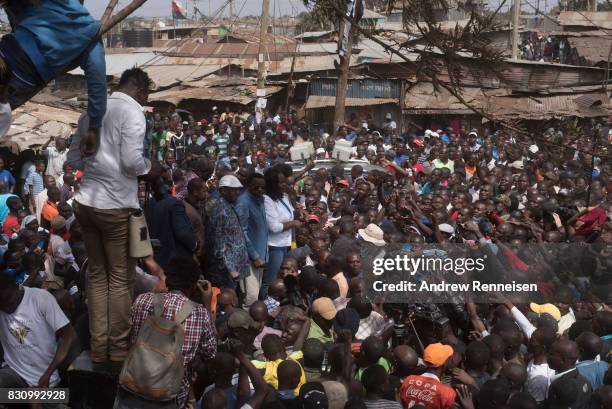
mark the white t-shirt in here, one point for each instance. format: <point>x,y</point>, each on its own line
<point>28,335</point>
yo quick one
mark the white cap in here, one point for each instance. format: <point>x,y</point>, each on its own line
<point>534,148</point>
<point>230,181</point>
<point>446,228</point>
<point>320,150</point>
<point>389,116</point>
<point>434,135</point>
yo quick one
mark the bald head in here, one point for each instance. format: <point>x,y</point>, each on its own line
<point>563,355</point>
<point>589,344</point>
<point>259,311</point>
<point>515,374</point>
<point>406,360</point>
<point>288,373</point>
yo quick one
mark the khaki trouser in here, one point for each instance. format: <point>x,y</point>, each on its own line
<point>252,284</point>
<point>110,280</point>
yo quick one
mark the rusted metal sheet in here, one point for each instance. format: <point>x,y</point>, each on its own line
<point>598,19</point>
<point>357,88</point>
<point>594,50</point>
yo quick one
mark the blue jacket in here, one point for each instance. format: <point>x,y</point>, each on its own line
<point>168,223</point>
<point>58,35</point>
<point>252,215</point>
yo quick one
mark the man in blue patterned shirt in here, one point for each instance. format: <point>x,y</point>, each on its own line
<point>227,259</point>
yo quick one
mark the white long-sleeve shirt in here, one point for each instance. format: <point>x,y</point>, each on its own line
<point>277,213</point>
<point>522,322</point>
<point>110,178</point>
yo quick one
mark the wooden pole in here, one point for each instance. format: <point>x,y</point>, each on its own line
<point>119,16</point>
<point>108,11</point>
<point>290,85</point>
<point>343,74</point>
<point>261,58</point>
<point>515,27</point>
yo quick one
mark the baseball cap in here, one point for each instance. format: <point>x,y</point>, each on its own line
<point>240,319</point>
<point>437,354</point>
<point>347,318</point>
<point>343,182</point>
<point>314,217</point>
<point>446,228</point>
<point>324,307</point>
<point>313,396</point>
<point>230,181</point>
<point>546,308</point>
<point>418,142</point>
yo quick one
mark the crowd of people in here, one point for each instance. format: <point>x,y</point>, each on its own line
<point>254,294</point>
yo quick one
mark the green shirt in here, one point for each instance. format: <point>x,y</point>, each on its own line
<point>318,333</point>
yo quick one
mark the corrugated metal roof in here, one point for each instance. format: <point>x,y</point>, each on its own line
<point>227,50</point>
<point>594,50</point>
<point>165,76</point>
<point>33,125</point>
<point>600,19</point>
<point>423,96</point>
<point>117,63</point>
<point>318,48</point>
<point>317,101</point>
<point>314,34</point>
<point>421,99</point>
<point>549,107</point>
<point>240,94</point>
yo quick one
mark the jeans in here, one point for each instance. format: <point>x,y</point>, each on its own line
<point>24,82</point>
<point>110,283</point>
<point>275,259</point>
<point>11,379</point>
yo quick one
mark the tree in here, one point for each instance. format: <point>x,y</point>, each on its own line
<point>312,21</point>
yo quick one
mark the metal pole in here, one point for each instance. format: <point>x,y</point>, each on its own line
<point>515,32</point>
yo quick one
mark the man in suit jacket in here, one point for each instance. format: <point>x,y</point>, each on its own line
<point>168,223</point>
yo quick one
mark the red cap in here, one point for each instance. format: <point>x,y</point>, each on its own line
<point>343,182</point>
<point>313,217</point>
<point>418,142</point>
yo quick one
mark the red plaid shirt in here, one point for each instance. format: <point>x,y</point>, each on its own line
<point>200,335</point>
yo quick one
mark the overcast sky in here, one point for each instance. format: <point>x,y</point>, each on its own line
<point>161,8</point>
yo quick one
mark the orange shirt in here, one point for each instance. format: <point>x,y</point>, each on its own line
<point>427,390</point>
<point>49,211</point>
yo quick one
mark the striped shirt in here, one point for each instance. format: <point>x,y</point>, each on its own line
<point>382,404</point>
<point>35,180</point>
<point>222,143</point>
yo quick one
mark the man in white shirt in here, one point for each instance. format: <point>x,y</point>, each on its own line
<point>56,156</point>
<point>103,205</point>
<point>35,334</point>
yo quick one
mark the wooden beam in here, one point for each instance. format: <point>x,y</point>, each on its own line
<point>108,12</point>
<point>119,16</point>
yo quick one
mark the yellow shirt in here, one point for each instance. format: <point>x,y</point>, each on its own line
<point>271,368</point>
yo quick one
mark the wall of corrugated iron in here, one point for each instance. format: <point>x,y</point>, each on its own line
<point>357,88</point>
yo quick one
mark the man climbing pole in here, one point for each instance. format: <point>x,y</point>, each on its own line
<point>48,38</point>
